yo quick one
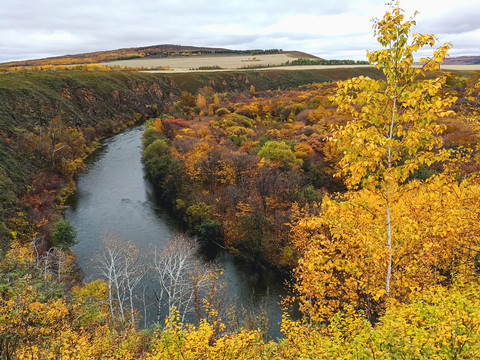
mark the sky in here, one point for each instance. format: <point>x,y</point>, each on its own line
<point>331,29</point>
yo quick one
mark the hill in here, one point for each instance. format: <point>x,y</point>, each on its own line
<point>462,60</point>
<point>154,51</point>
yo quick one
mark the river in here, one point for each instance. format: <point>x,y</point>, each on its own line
<point>113,196</point>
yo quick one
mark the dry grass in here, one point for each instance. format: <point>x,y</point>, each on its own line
<point>461,67</point>
<point>227,62</point>
<point>240,62</point>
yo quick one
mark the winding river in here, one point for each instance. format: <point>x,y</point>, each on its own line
<point>113,196</point>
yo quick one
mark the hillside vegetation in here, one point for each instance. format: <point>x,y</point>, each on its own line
<point>49,123</point>
<point>368,188</point>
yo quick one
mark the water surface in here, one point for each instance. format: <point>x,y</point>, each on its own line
<point>113,196</point>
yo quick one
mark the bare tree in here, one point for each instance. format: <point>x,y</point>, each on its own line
<point>180,276</point>
<point>55,262</point>
<point>120,263</point>
<point>180,279</point>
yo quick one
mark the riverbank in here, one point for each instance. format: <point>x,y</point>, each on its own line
<point>113,197</point>
<point>89,105</point>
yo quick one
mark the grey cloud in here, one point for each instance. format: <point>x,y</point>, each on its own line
<point>93,25</point>
<point>103,25</point>
<point>293,36</point>
<point>458,20</point>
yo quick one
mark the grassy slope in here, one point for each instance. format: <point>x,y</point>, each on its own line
<point>82,99</point>
<point>265,79</point>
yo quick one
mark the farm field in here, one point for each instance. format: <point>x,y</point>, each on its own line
<point>227,62</point>
<point>238,62</point>
<point>275,67</point>
<point>461,67</point>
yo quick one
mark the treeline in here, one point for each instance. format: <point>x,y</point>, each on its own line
<point>243,52</point>
<point>214,67</point>
<point>325,62</point>
<point>84,67</point>
<point>51,68</point>
<point>208,52</point>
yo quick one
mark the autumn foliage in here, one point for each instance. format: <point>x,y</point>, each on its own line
<point>404,223</point>
<point>235,174</point>
<point>395,235</point>
<point>368,190</point>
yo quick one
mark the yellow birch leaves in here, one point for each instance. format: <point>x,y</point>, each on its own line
<point>390,236</point>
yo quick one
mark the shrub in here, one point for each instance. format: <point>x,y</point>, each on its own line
<point>64,235</point>
<point>280,151</point>
<point>157,148</point>
<point>150,135</point>
<point>222,112</point>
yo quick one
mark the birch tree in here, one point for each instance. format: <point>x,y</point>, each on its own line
<point>390,236</point>
<point>120,263</point>
<point>180,278</point>
<point>394,131</point>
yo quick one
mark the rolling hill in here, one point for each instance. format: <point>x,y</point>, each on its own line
<point>148,52</point>
<point>462,60</point>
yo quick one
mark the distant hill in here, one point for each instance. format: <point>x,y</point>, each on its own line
<point>462,60</point>
<point>155,51</point>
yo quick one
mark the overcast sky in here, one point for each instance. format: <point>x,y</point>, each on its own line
<point>332,29</point>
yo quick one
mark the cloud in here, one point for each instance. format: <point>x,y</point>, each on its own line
<point>333,29</point>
